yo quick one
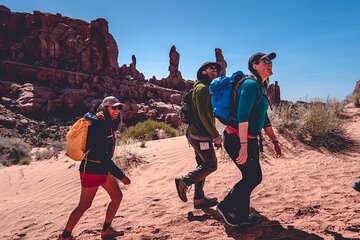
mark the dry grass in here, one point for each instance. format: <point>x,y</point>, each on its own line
<point>14,151</point>
<point>317,124</point>
<point>355,98</point>
<point>126,156</point>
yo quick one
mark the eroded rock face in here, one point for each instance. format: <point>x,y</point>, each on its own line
<point>357,87</point>
<point>220,60</point>
<point>175,79</point>
<point>52,65</point>
<point>273,94</point>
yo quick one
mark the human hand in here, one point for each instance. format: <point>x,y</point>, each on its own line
<point>243,155</point>
<point>217,146</point>
<point>217,140</point>
<point>277,149</point>
<point>126,180</point>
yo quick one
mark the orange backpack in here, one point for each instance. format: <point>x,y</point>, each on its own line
<point>76,140</point>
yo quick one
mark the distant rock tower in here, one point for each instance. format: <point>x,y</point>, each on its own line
<point>273,93</point>
<point>220,60</point>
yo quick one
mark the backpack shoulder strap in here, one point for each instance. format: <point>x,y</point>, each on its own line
<point>260,90</point>
<point>238,81</point>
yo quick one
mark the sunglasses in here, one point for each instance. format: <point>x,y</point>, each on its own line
<point>266,61</point>
<point>119,107</point>
<point>213,68</point>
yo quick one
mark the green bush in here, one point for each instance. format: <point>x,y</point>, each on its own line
<point>14,151</point>
<point>150,130</point>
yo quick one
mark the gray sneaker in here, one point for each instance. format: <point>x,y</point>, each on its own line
<point>205,202</point>
<point>181,188</point>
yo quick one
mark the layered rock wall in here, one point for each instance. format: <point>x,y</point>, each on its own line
<point>51,64</point>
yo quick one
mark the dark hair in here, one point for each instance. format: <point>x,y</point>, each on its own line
<point>257,76</point>
<point>110,122</point>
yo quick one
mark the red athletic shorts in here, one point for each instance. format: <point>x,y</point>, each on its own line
<point>89,180</point>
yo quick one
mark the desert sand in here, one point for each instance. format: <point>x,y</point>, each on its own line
<point>306,194</point>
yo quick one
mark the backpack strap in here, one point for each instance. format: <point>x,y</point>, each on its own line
<point>238,81</point>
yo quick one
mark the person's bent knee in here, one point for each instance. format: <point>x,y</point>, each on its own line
<point>117,198</point>
<point>256,181</point>
<point>211,167</point>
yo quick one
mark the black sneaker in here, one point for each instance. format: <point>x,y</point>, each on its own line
<point>229,217</point>
<point>251,221</point>
<point>357,186</point>
<point>181,188</point>
<point>205,202</point>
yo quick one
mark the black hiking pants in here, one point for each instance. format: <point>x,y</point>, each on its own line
<point>238,199</point>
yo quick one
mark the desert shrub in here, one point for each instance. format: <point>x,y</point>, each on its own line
<point>127,157</point>
<point>317,124</point>
<point>14,151</point>
<point>43,154</point>
<point>355,98</point>
<point>285,117</point>
<point>150,130</point>
<point>143,144</point>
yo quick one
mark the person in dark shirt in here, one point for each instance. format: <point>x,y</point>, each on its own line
<point>98,169</point>
<point>241,142</point>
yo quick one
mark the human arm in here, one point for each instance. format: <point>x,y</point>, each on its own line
<point>247,96</point>
<point>243,132</point>
<point>270,132</point>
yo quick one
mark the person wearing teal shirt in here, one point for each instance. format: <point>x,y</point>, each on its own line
<point>241,142</point>
<point>202,134</point>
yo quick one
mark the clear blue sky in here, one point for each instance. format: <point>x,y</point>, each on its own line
<point>317,41</point>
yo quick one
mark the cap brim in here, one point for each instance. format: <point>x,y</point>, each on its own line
<point>270,56</point>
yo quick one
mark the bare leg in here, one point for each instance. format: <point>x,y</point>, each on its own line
<point>86,198</point>
<point>112,188</point>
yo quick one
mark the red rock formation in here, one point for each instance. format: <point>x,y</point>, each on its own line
<point>58,66</point>
<point>357,87</point>
<point>220,60</point>
<point>174,80</point>
<point>273,94</point>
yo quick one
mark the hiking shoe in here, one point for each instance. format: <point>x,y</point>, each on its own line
<point>229,216</point>
<point>111,232</point>
<point>181,188</point>
<point>252,220</point>
<point>357,186</point>
<point>205,202</point>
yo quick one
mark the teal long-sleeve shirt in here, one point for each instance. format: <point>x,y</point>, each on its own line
<point>204,121</point>
<point>248,110</point>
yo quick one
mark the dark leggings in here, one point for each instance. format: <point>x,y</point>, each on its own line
<point>238,199</point>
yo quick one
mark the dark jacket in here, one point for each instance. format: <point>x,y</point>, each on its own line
<point>204,121</point>
<point>101,143</point>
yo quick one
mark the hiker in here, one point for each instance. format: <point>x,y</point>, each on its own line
<point>241,142</point>
<point>201,135</point>
<point>356,186</point>
<point>98,169</point>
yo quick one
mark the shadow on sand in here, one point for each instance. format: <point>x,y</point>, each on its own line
<point>266,230</point>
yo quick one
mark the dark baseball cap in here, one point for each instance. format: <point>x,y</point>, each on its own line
<point>255,58</point>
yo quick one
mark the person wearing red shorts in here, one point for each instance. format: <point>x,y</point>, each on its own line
<point>98,169</point>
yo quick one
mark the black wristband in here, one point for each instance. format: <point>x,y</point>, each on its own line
<point>275,142</point>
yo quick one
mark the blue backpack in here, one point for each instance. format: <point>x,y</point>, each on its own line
<point>223,97</point>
